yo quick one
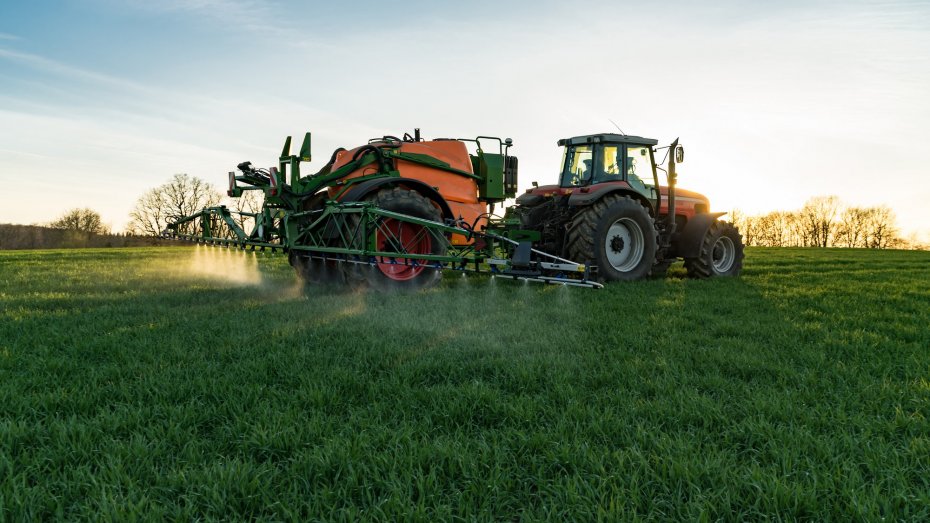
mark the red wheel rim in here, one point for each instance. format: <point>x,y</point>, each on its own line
<point>402,237</point>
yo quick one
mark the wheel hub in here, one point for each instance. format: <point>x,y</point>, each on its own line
<point>403,238</point>
<point>624,245</point>
<point>723,254</point>
<point>617,244</point>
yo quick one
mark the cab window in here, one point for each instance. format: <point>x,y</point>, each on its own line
<point>638,168</point>
<point>577,165</point>
<point>610,164</point>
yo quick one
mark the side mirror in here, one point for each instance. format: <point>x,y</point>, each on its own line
<point>679,154</point>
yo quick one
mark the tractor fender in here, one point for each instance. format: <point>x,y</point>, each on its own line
<point>363,189</point>
<point>585,196</point>
<point>530,199</point>
<point>687,243</point>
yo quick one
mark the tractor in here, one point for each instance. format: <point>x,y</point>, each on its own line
<point>609,211</point>
<point>395,212</point>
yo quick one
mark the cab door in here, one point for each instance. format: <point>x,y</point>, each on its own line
<point>639,171</point>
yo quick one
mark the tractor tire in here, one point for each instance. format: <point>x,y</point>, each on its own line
<point>398,236</point>
<point>721,253</point>
<point>618,235</point>
<point>315,271</point>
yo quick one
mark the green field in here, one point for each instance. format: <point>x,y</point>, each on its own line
<point>174,383</point>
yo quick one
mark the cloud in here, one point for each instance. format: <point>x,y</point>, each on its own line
<point>264,18</point>
<point>51,66</point>
<point>7,36</point>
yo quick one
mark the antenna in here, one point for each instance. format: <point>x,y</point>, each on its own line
<point>617,126</point>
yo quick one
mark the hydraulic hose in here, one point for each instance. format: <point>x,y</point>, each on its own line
<point>329,166</point>
<point>379,154</point>
<point>332,159</point>
<point>367,149</point>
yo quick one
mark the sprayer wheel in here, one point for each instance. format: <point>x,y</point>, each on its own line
<point>392,235</point>
<point>315,270</point>
<point>618,235</point>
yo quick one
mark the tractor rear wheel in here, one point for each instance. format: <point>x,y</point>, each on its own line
<point>618,235</point>
<point>398,236</point>
<point>721,253</point>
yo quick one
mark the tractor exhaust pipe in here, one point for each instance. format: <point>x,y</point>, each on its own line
<point>670,224</point>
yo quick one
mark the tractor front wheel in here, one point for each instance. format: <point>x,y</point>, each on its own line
<point>721,253</point>
<point>618,235</point>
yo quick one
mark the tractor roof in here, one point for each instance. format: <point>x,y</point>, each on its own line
<point>608,138</point>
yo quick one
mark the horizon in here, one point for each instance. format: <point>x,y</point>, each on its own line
<point>103,100</point>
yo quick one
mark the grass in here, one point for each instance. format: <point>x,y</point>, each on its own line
<point>134,387</point>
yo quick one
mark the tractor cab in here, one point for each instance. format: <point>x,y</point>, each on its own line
<point>610,158</point>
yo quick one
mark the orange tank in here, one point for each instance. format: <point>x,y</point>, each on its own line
<point>460,192</point>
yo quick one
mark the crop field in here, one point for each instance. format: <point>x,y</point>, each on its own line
<point>183,383</point>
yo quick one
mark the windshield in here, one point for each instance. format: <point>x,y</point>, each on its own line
<point>589,164</point>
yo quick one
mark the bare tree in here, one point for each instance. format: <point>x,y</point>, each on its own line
<point>752,227</point>
<point>150,214</point>
<point>851,229</point>
<point>181,196</point>
<point>770,233</point>
<point>913,242</point>
<point>792,222</point>
<point>81,220</point>
<point>775,229</point>
<point>817,219</point>
<point>746,224</point>
<point>249,202</point>
<point>881,228</point>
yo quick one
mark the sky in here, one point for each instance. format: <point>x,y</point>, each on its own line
<point>775,102</point>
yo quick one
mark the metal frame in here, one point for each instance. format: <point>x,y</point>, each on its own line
<point>342,232</point>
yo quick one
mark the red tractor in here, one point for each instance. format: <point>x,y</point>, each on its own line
<point>609,211</point>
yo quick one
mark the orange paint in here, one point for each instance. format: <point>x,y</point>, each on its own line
<point>460,192</point>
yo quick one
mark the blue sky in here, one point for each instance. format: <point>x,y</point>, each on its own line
<point>103,99</point>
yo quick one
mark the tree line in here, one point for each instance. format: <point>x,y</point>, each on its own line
<point>17,236</point>
<point>74,229</point>
<point>823,221</point>
<point>82,227</point>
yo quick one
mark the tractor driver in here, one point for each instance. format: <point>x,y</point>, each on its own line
<point>612,163</point>
<point>587,172</point>
<point>634,180</point>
